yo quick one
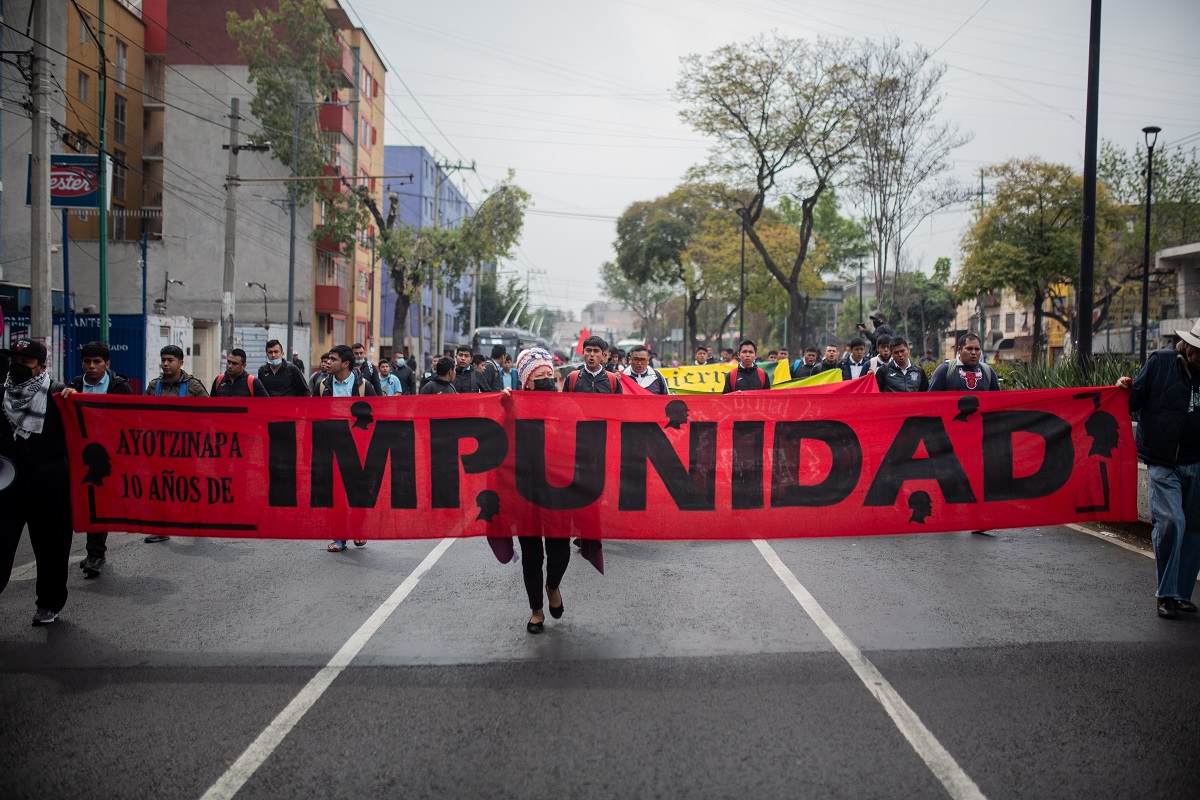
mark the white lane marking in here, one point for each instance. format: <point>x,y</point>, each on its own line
<point>271,737</point>
<point>957,783</point>
<point>1110,539</point>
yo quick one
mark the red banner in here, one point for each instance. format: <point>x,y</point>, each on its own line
<point>751,465</point>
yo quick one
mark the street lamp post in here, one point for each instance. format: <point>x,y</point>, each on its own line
<point>861,309</point>
<point>741,212</point>
<point>266,317</point>
<point>1151,132</point>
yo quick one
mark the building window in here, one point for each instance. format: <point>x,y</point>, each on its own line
<point>1010,322</point>
<point>363,285</point>
<point>119,170</point>
<point>118,212</point>
<point>120,112</point>
<point>360,332</point>
<point>121,61</point>
<point>364,133</point>
<point>84,37</point>
<point>83,89</point>
<point>339,330</point>
<point>995,322</point>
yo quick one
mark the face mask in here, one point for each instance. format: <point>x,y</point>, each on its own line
<point>19,373</point>
<point>545,385</point>
<point>360,361</point>
<point>274,362</point>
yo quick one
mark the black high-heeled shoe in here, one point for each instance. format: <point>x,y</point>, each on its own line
<point>535,627</point>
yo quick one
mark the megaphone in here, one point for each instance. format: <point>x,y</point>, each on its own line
<point>8,473</point>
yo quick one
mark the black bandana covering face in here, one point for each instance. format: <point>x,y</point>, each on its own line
<point>545,385</point>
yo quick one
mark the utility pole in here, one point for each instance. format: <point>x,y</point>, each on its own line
<point>227,282</point>
<point>103,172</point>
<point>291,304</point>
<point>41,320</point>
<point>229,279</point>
<point>436,337</point>
<point>1087,248</point>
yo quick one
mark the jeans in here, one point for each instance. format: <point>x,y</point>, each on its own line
<point>558,554</point>
<point>1175,512</point>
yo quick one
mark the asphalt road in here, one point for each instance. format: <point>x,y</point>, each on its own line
<point>1031,659</point>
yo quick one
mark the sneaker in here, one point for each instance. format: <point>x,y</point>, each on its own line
<point>44,616</point>
<point>155,538</point>
<point>92,566</point>
<point>1167,608</point>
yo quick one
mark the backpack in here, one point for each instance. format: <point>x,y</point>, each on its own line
<point>573,378</point>
<point>182,387</point>
<point>762,378</point>
<point>221,379</point>
<point>359,388</point>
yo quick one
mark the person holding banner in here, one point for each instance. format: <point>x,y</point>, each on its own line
<point>97,378</point>
<point>701,356</point>
<point>967,373</point>
<point>281,378</point>
<point>855,365</point>
<point>535,372</point>
<point>173,382</point>
<point>1166,395</point>
<point>748,376</point>
<point>593,377</point>
<point>33,439</point>
<point>807,366</point>
<point>899,374</point>
<point>830,361</point>
<point>640,370</point>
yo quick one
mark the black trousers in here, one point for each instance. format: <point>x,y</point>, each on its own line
<point>97,545</point>
<point>43,502</point>
<point>557,556</point>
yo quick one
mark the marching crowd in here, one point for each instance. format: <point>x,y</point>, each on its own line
<point>37,492</point>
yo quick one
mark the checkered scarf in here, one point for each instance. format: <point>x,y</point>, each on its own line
<point>25,404</point>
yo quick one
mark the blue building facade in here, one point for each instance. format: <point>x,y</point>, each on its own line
<point>416,208</point>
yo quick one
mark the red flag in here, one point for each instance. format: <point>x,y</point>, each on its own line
<point>584,334</point>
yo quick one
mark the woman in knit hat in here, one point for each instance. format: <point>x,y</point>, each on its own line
<point>535,372</point>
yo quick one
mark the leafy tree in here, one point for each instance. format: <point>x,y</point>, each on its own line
<point>648,300</point>
<point>414,255</point>
<point>495,300</point>
<point>288,51</point>
<point>652,240</point>
<point>845,239</point>
<point>782,114</point>
<point>904,148</point>
<point>927,301</point>
<point>1028,238</point>
<point>1174,220</point>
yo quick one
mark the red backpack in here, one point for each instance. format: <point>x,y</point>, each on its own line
<point>573,378</point>
<point>732,377</point>
<point>221,379</point>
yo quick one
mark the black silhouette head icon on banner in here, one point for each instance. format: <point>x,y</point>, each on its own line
<point>921,506</point>
<point>363,417</point>
<point>968,404</point>
<point>677,414</point>
<point>98,463</point>
<point>488,503</point>
<point>1105,433</point>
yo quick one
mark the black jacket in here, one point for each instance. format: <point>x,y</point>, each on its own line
<point>469,380</point>
<point>1161,393</point>
<point>42,454</point>
<point>408,378</point>
<point>491,376</point>
<point>893,379</point>
<point>845,365</point>
<point>116,384</point>
<point>742,379</point>
<point>225,386</point>
<point>371,373</point>
<point>287,382</point>
<point>438,387</point>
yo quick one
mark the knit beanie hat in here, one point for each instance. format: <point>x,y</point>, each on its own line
<point>529,360</point>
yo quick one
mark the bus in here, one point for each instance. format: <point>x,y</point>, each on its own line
<point>514,340</point>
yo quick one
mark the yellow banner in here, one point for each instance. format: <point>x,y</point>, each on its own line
<point>710,378</point>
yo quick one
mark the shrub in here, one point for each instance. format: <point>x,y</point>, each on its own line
<point>1065,374</point>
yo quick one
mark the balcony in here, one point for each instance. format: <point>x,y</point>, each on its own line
<point>343,66</point>
<point>335,117</point>
<point>331,300</point>
<point>153,151</point>
<point>335,184</point>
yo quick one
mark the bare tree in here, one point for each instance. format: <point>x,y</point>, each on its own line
<point>904,148</point>
<point>782,112</point>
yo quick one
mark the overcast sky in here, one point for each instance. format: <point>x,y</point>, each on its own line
<point>576,96</point>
